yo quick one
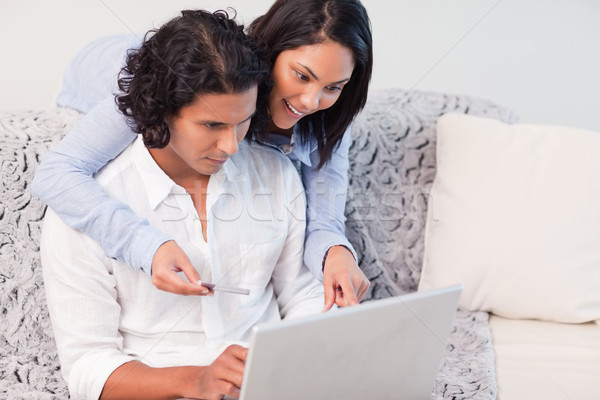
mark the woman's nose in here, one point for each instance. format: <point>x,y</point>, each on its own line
<point>310,100</point>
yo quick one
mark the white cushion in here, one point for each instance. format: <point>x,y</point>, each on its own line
<point>514,215</point>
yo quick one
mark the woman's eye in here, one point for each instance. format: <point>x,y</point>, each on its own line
<point>333,88</point>
<point>302,76</point>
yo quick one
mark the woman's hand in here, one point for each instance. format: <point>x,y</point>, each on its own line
<point>167,261</point>
<point>344,282</point>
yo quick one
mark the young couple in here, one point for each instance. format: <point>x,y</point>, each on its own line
<point>204,201</point>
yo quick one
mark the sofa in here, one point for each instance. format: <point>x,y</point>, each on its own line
<point>393,214</point>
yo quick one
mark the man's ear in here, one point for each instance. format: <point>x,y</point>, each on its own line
<point>157,137</point>
<point>168,120</point>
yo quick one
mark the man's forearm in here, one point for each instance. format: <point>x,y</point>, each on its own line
<point>136,380</point>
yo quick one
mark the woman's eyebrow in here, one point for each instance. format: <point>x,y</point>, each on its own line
<point>316,78</point>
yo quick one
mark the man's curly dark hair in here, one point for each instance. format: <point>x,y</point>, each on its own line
<point>193,54</point>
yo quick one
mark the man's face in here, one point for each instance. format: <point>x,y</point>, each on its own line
<point>205,133</point>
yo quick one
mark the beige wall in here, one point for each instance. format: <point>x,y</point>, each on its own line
<point>539,57</point>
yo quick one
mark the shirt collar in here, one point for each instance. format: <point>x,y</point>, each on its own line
<point>159,185</point>
<point>296,147</point>
<point>302,149</point>
<point>232,169</point>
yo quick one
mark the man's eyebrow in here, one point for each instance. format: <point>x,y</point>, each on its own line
<point>252,114</point>
<point>216,122</point>
<point>209,121</point>
<point>316,78</point>
<point>249,117</point>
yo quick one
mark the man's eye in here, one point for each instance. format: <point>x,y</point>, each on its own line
<point>212,125</point>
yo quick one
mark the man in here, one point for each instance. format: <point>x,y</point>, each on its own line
<point>236,209</point>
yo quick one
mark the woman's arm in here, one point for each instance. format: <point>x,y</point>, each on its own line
<point>64,180</point>
<point>328,253</point>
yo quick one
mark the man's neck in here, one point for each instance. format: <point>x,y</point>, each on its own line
<point>194,183</point>
<point>178,170</point>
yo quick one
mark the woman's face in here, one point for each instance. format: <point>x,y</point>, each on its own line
<point>308,79</point>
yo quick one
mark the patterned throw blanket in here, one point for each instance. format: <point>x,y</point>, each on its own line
<point>392,166</point>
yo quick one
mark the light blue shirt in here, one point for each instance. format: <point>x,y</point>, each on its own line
<point>64,180</point>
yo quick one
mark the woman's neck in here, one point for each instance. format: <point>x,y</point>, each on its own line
<point>278,131</point>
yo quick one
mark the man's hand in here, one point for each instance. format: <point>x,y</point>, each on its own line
<point>136,380</point>
<point>167,261</point>
<point>223,377</point>
<point>344,282</point>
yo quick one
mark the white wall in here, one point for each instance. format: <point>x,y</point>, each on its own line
<point>539,57</point>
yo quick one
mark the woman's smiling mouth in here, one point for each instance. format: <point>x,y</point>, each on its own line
<point>292,109</point>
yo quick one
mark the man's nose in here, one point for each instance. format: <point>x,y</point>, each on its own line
<point>228,142</point>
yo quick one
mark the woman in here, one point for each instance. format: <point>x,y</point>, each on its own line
<point>322,61</point>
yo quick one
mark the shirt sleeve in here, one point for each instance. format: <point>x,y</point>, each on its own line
<point>326,192</point>
<point>297,291</point>
<point>64,181</point>
<point>82,300</point>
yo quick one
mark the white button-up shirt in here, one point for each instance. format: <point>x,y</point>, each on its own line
<point>104,313</point>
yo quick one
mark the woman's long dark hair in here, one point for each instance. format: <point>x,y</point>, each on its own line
<point>196,53</point>
<point>290,24</point>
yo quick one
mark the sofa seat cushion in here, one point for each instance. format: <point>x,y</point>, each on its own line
<point>546,360</point>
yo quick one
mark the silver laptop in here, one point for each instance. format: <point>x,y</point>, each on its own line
<point>384,349</point>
